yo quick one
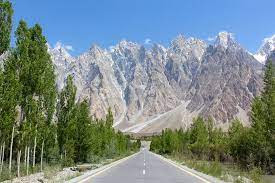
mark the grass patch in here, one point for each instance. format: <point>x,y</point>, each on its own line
<point>73,176</point>
<point>51,171</point>
<point>224,171</point>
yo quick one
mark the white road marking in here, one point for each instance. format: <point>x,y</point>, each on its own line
<point>144,164</point>
<point>114,164</point>
<point>143,172</point>
<point>178,166</point>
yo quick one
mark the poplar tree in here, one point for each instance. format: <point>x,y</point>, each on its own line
<point>65,116</point>
<point>83,130</point>
<point>198,136</point>
<point>10,94</point>
<point>6,13</point>
<point>36,75</point>
<point>263,121</point>
<point>268,99</point>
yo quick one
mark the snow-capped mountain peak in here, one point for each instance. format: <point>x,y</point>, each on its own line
<point>188,47</point>
<point>224,39</point>
<point>265,50</point>
<point>60,49</point>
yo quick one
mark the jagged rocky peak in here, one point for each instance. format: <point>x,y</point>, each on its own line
<point>60,49</point>
<point>188,48</point>
<point>95,51</point>
<point>178,42</point>
<point>158,49</point>
<point>127,45</point>
<point>95,48</point>
<point>225,40</point>
<point>265,50</point>
<point>125,49</point>
<point>197,47</point>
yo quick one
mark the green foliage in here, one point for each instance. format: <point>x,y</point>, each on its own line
<point>38,91</point>
<point>201,140</point>
<point>66,117</point>
<point>210,168</point>
<point>82,139</point>
<point>83,128</point>
<point>240,144</point>
<point>6,13</point>
<point>199,137</point>
<point>256,175</point>
<point>262,133</point>
<point>10,95</point>
<point>28,96</point>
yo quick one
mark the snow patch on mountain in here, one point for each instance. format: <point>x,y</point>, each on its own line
<point>224,39</point>
<point>265,50</point>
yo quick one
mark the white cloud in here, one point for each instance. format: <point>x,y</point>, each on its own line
<point>269,39</point>
<point>69,47</point>
<point>59,45</point>
<point>111,48</point>
<point>147,41</point>
<point>211,38</point>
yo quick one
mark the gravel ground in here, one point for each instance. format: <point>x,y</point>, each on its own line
<point>61,176</point>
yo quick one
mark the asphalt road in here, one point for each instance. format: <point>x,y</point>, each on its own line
<point>145,167</point>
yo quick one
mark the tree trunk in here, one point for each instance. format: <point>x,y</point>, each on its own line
<point>25,159</point>
<point>28,160</point>
<point>41,160</point>
<point>18,162</point>
<point>3,156</point>
<point>11,145</point>
<point>34,149</point>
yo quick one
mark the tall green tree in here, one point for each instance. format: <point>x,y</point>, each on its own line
<point>6,13</point>
<point>83,129</point>
<point>36,76</point>
<point>10,95</point>
<point>66,115</point>
<point>198,137</point>
<point>263,121</point>
<point>268,98</point>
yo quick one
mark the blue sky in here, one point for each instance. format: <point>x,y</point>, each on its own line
<point>80,23</point>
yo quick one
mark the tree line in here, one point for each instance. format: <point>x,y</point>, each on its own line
<point>248,147</point>
<point>38,124</point>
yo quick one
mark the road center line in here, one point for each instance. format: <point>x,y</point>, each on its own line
<point>143,172</point>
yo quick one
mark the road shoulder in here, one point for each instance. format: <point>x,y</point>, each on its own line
<point>97,171</point>
<point>203,177</point>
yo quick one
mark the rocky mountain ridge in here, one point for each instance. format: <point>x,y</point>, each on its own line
<point>152,89</point>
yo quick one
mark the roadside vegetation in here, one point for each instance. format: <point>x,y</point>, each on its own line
<point>40,127</point>
<point>245,151</point>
